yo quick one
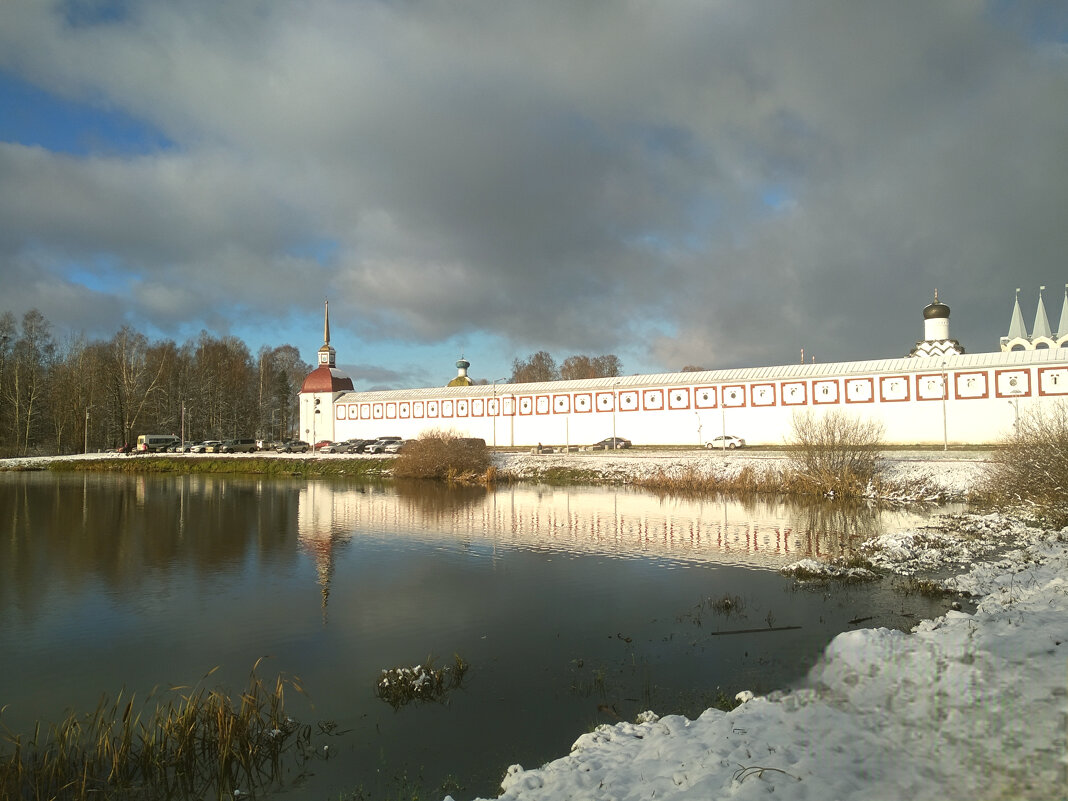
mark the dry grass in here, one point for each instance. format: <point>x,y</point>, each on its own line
<point>444,455</point>
<point>692,480</point>
<point>1031,467</point>
<point>197,744</point>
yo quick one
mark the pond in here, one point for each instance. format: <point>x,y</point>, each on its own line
<point>573,607</point>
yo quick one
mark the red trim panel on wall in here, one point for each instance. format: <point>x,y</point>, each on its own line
<point>679,398</point>
<point>653,400</point>
<point>762,394</point>
<point>931,386</point>
<point>1012,383</point>
<point>1053,380</point>
<point>971,385</point>
<point>894,388</point>
<point>733,395</point>
<point>860,390</point>
<point>705,397</point>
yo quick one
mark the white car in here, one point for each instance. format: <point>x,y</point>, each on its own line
<point>208,446</point>
<point>725,442</point>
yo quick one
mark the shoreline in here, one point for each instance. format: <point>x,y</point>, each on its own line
<point>909,475</point>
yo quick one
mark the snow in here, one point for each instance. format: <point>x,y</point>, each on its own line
<point>921,475</point>
<point>967,706</point>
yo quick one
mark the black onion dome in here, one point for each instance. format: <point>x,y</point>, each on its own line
<point>935,309</point>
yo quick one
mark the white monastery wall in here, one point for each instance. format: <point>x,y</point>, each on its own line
<point>959,399</point>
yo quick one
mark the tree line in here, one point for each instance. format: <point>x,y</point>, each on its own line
<point>541,366</point>
<point>66,396</point>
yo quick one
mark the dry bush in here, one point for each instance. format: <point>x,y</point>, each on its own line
<point>1032,465</point>
<point>443,455</point>
<point>834,453</point>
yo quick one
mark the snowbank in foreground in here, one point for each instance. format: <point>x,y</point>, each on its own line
<point>968,706</point>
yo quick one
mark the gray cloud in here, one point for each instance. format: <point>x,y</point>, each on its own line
<point>693,182</point>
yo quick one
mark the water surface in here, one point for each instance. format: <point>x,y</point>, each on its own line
<point>573,606</point>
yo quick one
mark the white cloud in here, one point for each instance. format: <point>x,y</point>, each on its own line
<point>590,177</point>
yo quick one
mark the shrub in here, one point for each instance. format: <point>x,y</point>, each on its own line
<point>1031,466</point>
<point>834,453</point>
<point>443,455</point>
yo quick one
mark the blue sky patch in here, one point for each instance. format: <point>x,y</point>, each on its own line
<point>37,118</point>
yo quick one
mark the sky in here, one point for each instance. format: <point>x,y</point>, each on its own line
<point>683,182</point>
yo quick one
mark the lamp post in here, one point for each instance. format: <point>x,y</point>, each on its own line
<point>85,445</point>
<point>1015,404</point>
<point>615,403</point>
<point>495,409</point>
<point>945,394</point>
<point>722,420</point>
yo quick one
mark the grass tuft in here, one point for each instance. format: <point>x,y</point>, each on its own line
<point>194,743</point>
<point>401,686</point>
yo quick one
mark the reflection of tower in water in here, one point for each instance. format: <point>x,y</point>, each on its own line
<point>321,529</point>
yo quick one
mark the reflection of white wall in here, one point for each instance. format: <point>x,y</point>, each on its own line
<point>587,520</point>
<point>906,395</point>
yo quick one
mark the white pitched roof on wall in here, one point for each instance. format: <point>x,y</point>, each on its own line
<point>965,361</point>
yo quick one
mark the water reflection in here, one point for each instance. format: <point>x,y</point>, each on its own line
<point>563,600</point>
<point>131,531</point>
<point>608,521</point>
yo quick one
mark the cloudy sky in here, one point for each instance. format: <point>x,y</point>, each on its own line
<point>708,182</point>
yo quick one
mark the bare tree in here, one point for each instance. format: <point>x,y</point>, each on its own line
<point>579,367</point>
<point>26,371</point>
<point>537,367</point>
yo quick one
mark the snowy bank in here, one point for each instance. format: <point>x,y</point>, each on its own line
<point>967,706</point>
<point>928,475</point>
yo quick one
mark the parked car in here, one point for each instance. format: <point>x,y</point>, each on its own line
<point>293,446</point>
<point>394,447</point>
<point>358,445</point>
<point>207,446</point>
<point>333,447</point>
<point>725,442</point>
<point>322,444</point>
<point>610,444</point>
<point>379,445</point>
<point>237,446</point>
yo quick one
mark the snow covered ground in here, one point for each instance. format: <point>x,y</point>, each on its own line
<point>927,474</point>
<point>968,706</point>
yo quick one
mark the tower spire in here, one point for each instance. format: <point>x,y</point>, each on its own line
<point>327,355</point>
<point>1062,328</point>
<point>1016,326</point>
<point>1041,328</point>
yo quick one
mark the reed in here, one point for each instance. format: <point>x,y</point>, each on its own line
<point>692,480</point>
<point>190,743</point>
<point>401,686</point>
